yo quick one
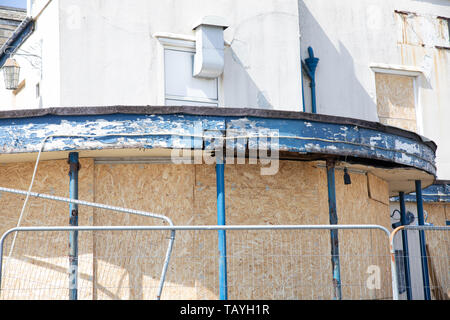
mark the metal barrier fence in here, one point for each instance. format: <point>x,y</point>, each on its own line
<point>422,271</point>
<point>264,262</point>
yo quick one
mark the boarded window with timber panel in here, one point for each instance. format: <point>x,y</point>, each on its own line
<point>396,101</point>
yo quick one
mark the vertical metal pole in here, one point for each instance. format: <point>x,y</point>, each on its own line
<point>220,181</point>
<point>334,233</point>
<point>73,221</point>
<point>303,89</point>
<point>313,95</point>
<point>423,251</point>
<point>405,245</point>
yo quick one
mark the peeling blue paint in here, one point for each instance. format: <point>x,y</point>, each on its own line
<point>25,135</point>
<point>433,193</point>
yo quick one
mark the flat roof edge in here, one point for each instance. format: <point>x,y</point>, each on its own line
<point>213,111</point>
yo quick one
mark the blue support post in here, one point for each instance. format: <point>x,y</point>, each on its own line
<point>423,251</point>
<point>405,245</point>
<point>73,221</point>
<point>335,263</point>
<point>220,181</point>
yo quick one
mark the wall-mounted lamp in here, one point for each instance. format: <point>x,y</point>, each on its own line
<point>11,69</point>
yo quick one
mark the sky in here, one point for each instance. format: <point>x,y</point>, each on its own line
<point>14,3</point>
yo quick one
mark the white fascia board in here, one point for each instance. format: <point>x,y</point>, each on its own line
<point>175,40</point>
<point>411,71</point>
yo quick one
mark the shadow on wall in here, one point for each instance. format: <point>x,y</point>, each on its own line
<point>264,67</point>
<point>245,84</point>
<point>338,89</point>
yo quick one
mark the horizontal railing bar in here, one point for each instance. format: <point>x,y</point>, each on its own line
<point>199,227</point>
<point>426,228</point>
<point>181,228</point>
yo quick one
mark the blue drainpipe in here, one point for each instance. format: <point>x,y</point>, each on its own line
<point>73,235</point>
<point>423,251</point>
<point>303,90</point>
<point>405,245</point>
<point>311,63</point>
<point>335,263</point>
<point>220,181</point>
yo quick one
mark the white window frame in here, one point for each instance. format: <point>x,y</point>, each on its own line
<point>176,42</point>
<point>409,71</point>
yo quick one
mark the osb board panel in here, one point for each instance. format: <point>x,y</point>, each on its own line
<point>255,269</point>
<point>296,195</point>
<point>292,194</point>
<point>395,99</point>
<point>378,189</point>
<point>362,249</point>
<point>128,265</point>
<point>395,96</point>
<point>436,213</point>
<point>37,268</point>
<point>269,265</point>
<point>439,248</point>
<point>410,125</point>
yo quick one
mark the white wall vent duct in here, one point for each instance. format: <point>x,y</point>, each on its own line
<point>209,56</point>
